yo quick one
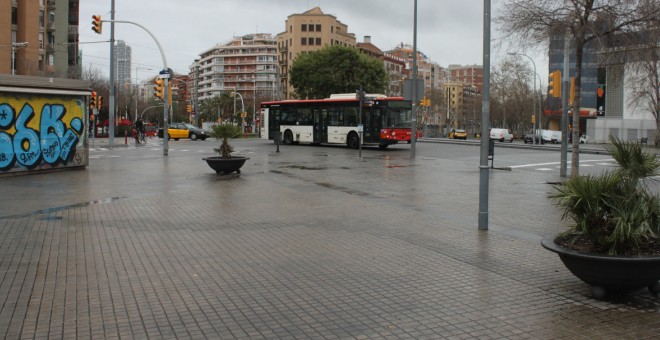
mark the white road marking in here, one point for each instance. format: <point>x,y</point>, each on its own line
<point>554,163</point>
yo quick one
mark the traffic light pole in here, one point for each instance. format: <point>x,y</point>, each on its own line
<point>166,104</point>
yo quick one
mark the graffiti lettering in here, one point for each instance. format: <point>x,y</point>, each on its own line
<point>52,143</point>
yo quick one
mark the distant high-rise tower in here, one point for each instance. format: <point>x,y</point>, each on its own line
<point>123,60</point>
<point>41,37</point>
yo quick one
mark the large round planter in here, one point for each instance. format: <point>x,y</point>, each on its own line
<point>605,273</point>
<point>225,166</point>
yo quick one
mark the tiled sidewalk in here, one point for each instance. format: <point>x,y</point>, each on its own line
<point>305,244</point>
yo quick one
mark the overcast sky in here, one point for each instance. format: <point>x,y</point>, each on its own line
<point>448,31</point>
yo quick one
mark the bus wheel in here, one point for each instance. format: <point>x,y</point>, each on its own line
<point>353,141</point>
<point>288,137</point>
<point>383,146</point>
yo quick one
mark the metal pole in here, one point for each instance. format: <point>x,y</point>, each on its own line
<point>360,102</point>
<point>564,111</point>
<point>413,128</point>
<point>13,59</point>
<point>485,122</point>
<point>111,102</point>
<point>166,107</point>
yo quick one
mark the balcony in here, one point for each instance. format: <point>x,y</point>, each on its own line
<point>50,4</point>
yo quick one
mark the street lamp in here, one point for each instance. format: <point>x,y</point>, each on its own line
<point>534,96</point>
<point>14,47</point>
<point>233,94</point>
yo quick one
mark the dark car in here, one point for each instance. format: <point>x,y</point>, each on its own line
<point>184,130</point>
<point>532,138</point>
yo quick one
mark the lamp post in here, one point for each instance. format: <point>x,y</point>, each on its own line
<point>534,96</point>
<point>234,93</point>
<point>14,47</point>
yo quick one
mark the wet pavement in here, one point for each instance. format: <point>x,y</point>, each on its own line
<point>307,243</point>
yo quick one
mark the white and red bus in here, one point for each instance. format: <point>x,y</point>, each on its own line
<point>385,120</point>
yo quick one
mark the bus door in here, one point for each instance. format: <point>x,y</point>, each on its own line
<point>320,125</point>
<point>371,121</point>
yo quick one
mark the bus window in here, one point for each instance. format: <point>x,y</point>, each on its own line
<point>305,116</point>
<point>335,116</point>
<point>350,116</point>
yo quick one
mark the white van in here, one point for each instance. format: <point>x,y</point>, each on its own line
<point>550,136</point>
<point>501,135</point>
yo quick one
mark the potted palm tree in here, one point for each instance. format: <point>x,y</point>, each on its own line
<point>613,244</point>
<point>225,163</point>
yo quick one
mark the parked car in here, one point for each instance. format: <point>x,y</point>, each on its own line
<point>184,130</point>
<point>501,135</point>
<point>532,137</point>
<point>458,134</point>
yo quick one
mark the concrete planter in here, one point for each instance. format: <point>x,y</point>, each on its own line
<point>605,273</point>
<point>225,166</point>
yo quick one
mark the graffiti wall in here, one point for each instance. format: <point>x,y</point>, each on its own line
<point>42,131</point>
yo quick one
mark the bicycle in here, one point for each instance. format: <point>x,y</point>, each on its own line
<point>142,137</point>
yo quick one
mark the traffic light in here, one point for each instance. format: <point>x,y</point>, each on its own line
<point>425,102</point>
<point>189,108</point>
<point>96,24</point>
<point>571,95</point>
<point>159,88</point>
<point>99,103</point>
<point>533,119</point>
<point>169,92</point>
<point>555,84</point>
<point>92,101</point>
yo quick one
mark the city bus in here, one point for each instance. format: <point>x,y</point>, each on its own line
<point>385,120</point>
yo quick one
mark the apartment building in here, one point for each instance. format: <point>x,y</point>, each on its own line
<point>40,37</point>
<point>426,69</point>
<point>246,64</point>
<point>394,66</point>
<point>306,32</point>
<point>468,75</point>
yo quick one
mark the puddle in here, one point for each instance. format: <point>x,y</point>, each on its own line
<point>62,208</point>
<point>303,167</point>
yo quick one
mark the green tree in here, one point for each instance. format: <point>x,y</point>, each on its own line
<point>336,69</point>
<point>218,106</point>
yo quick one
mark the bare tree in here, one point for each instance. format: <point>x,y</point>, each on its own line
<point>511,94</point>
<point>533,22</point>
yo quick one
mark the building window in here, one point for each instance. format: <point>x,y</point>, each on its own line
<point>332,29</point>
<point>290,28</point>
<point>318,41</point>
<point>41,18</point>
<point>303,27</point>
<point>14,16</point>
<point>311,41</point>
<point>303,41</point>
<point>318,28</point>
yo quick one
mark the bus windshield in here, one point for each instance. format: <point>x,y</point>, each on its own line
<point>397,117</point>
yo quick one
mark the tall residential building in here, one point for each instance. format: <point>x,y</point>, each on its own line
<point>40,36</point>
<point>246,64</point>
<point>123,59</point>
<point>468,75</point>
<point>305,32</point>
<point>394,66</point>
<point>426,69</point>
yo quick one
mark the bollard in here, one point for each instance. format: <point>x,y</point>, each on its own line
<point>125,137</point>
<point>277,141</point>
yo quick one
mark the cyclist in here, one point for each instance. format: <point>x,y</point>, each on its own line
<point>139,127</point>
